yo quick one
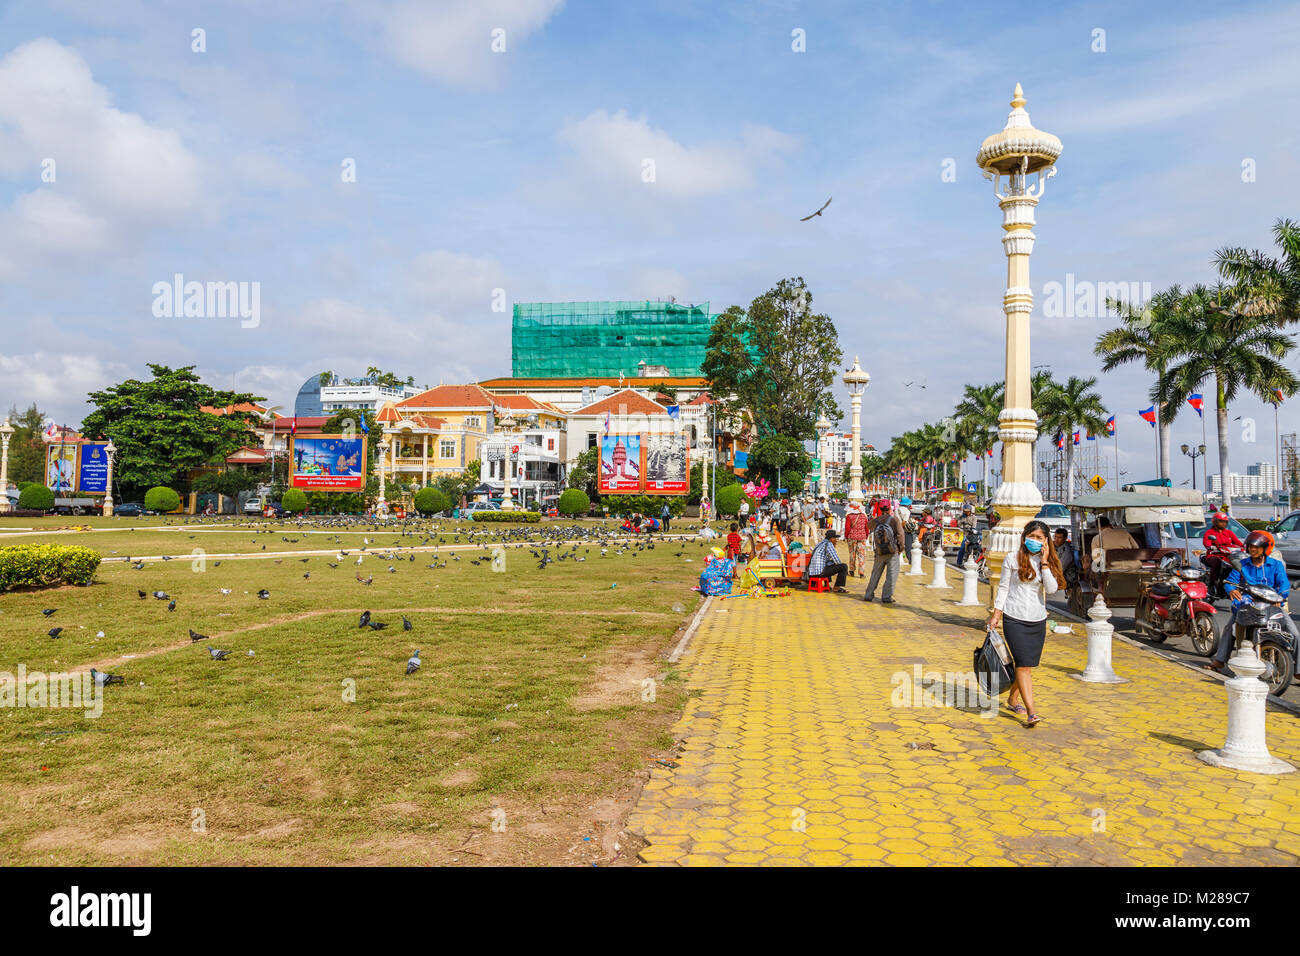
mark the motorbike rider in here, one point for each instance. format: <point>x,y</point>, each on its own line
<point>1261,570</point>
<point>1218,539</point>
<point>967,523</point>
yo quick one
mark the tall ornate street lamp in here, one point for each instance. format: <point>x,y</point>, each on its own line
<point>823,425</point>
<point>110,452</point>
<point>856,381</point>
<point>1008,159</point>
<point>507,426</point>
<point>1193,454</point>
<point>6,433</point>
<point>382,503</point>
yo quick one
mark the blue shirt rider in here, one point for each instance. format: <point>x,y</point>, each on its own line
<point>1260,569</point>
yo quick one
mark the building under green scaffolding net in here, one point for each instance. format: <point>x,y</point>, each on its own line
<point>589,339</point>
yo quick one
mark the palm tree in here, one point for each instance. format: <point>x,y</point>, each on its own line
<point>1272,284</point>
<point>1220,333</point>
<point>1140,338</point>
<point>978,413</point>
<point>1067,406</point>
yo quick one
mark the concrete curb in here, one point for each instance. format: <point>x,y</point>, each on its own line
<point>680,649</point>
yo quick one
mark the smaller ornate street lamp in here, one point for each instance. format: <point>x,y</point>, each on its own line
<point>1193,454</point>
<point>6,433</point>
<point>110,452</point>
<point>822,425</point>
<point>856,381</point>
<point>507,426</point>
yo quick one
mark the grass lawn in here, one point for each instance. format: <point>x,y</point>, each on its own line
<point>529,703</point>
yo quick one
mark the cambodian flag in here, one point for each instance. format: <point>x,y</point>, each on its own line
<point>1110,425</point>
<point>990,452</point>
<point>1090,436</point>
<point>1149,415</point>
<point>1277,394</point>
<point>1076,438</point>
<point>293,428</point>
<point>1197,401</point>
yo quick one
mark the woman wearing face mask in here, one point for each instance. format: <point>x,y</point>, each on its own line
<point>1028,575</point>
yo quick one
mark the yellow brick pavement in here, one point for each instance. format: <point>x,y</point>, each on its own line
<point>798,750</point>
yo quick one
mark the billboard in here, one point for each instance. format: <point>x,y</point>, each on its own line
<point>327,463</point>
<point>667,464</point>
<point>620,464</point>
<point>92,476</point>
<point>61,467</point>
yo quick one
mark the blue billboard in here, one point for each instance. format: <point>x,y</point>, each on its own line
<point>93,473</point>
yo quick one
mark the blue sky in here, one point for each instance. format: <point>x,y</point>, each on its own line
<point>522,171</point>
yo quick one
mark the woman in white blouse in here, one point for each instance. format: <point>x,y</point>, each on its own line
<point>1028,575</point>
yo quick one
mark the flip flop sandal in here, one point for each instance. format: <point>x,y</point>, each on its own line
<point>1033,720</point>
<point>1016,708</point>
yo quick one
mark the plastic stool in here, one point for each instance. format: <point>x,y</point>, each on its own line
<point>819,585</point>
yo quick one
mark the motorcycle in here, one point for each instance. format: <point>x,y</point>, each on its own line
<point>1230,556</point>
<point>1259,621</point>
<point>1172,601</point>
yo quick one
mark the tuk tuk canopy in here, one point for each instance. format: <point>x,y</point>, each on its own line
<point>1141,507</point>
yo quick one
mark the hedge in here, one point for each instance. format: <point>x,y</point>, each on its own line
<point>521,517</point>
<point>429,501</point>
<point>46,565</point>
<point>294,501</point>
<point>574,502</point>
<point>36,497</point>
<point>728,501</point>
<point>161,499</point>
<point>649,505</point>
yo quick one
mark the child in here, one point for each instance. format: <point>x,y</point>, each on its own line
<point>733,541</point>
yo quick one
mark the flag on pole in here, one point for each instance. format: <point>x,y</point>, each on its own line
<point>1090,436</point>
<point>365,429</point>
<point>1060,440</point>
<point>607,423</point>
<point>674,412</point>
<point>1148,415</point>
<point>293,429</point>
<point>1277,395</point>
<point>1076,438</point>
<point>1197,401</point>
<point>1110,425</point>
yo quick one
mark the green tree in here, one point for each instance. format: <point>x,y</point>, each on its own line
<point>26,449</point>
<point>778,360</point>
<point>294,501</point>
<point>584,472</point>
<point>779,457</point>
<point>161,499</point>
<point>36,497</point>
<point>1220,334</point>
<point>1271,285</point>
<point>977,415</point>
<point>1067,406</point>
<point>431,500</point>
<point>159,429</point>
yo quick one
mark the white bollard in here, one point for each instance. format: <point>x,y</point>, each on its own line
<point>1247,748</point>
<point>917,570</point>
<point>1100,632</point>
<point>970,582</point>
<point>940,565</point>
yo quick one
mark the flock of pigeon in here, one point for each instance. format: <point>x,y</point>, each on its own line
<point>566,540</point>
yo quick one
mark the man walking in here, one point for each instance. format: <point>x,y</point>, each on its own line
<point>856,532</point>
<point>665,515</point>
<point>825,563</point>
<point>887,543</point>
<point>809,519</point>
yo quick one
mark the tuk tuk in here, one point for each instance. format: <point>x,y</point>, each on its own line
<point>1134,550</point>
<point>947,510</point>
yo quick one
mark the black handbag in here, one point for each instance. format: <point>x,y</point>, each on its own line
<point>994,664</point>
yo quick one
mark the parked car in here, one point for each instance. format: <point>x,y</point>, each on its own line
<point>1187,536</point>
<point>1286,531</point>
<point>477,507</point>
<point>254,506</point>
<point>129,509</point>
<point>1054,515</point>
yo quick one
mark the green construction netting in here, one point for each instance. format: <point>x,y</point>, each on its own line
<point>589,339</point>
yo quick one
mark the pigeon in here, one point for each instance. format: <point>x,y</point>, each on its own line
<point>218,655</point>
<point>49,610</point>
<point>142,595</point>
<point>103,680</point>
<point>413,664</point>
<point>406,625</point>
<point>359,557</point>
<point>333,565</point>
<point>216,564</point>
<point>139,566</point>
<point>264,594</point>
<point>195,636</point>
<point>225,590</point>
<point>365,619</point>
<point>171,605</point>
<point>367,581</point>
<point>307,575</point>
<point>161,595</point>
<point>303,560</point>
<point>377,625</point>
<point>55,631</point>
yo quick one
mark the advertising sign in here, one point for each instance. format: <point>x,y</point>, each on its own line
<point>92,476</point>
<point>620,464</point>
<point>328,463</point>
<point>667,464</point>
<point>61,467</point>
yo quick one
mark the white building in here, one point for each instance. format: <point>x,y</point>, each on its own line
<point>1260,479</point>
<point>370,397</point>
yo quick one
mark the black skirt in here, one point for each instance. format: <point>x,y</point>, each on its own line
<point>1025,639</point>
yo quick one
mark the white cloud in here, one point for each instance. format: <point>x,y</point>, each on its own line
<point>56,382</point>
<point>451,40</point>
<point>114,172</point>
<point>619,149</point>
<point>454,281</point>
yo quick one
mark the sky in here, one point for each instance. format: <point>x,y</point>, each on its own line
<point>391,175</point>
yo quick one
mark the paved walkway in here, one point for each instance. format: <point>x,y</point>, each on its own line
<point>800,747</point>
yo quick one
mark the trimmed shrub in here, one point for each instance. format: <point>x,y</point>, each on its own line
<point>431,500</point>
<point>728,501</point>
<point>46,565</point>
<point>37,497</point>
<point>519,517</point>
<point>649,505</point>
<point>574,502</point>
<point>1255,524</point>
<point>294,501</point>
<point>161,499</point>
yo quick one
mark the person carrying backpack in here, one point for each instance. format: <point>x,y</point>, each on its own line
<point>887,539</point>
